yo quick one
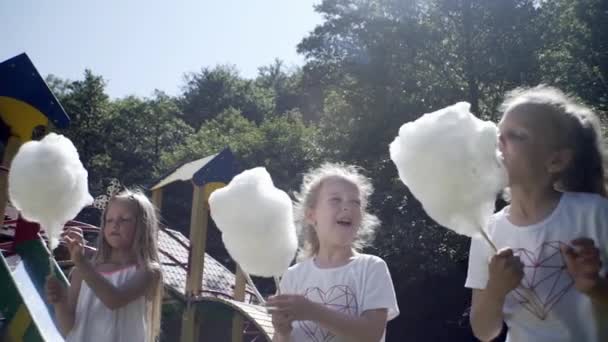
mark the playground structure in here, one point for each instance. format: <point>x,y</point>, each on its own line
<point>27,110</point>
<point>214,304</point>
<point>249,321</point>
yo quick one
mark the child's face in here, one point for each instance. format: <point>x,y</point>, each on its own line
<point>526,147</point>
<point>337,213</point>
<point>120,224</point>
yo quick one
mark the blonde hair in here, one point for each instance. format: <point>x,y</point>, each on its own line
<point>307,197</point>
<point>577,128</point>
<point>145,245</point>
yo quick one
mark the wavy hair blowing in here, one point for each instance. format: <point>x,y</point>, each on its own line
<point>577,128</point>
<point>307,197</point>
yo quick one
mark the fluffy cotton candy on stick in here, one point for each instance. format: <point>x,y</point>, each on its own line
<point>48,184</point>
<point>450,162</point>
<point>256,221</point>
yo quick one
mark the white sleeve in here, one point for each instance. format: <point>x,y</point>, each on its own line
<point>479,256</point>
<point>287,284</point>
<point>378,292</point>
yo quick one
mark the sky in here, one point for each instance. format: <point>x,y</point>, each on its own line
<point>139,46</point>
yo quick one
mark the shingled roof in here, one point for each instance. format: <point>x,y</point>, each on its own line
<point>218,281</point>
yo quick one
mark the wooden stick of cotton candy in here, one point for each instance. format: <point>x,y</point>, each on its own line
<point>450,162</point>
<point>49,185</point>
<point>256,221</point>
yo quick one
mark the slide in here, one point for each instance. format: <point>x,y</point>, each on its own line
<point>22,304</point>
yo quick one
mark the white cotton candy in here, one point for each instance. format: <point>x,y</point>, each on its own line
<point>48,184</point>
<point>256,221</point>
<point>450,162</point>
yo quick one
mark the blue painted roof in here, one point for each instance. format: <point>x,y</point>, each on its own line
<point>221,169</point>
<point>20,80</point>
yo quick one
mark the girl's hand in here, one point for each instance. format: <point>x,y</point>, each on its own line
<point>505,272</point>
<point>55,291</point>
<point>281,324</point>
<point>75,241</point>
<point>292,307</point>
<point>583,263</point>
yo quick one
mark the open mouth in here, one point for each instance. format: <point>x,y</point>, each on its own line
<point>344,223</point>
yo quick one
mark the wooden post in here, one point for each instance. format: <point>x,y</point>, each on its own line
<point>199,221</point>
<point>10,150</point>
<point>239,294</point>
<point>239,284</point>
<point>189,324</point>
<point>198,242</point>
<point>157,198</point>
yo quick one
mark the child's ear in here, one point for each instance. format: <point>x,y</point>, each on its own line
<point>560,160</point>
<point>309,216</point>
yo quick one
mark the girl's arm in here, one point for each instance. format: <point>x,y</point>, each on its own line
<point>584,265</point>
<point>367,327</point>
<point>278,337</point>
<point>505,273</point>
<point>599,294</point>
<point>486,314</point>
<point>112,296</point>
<point>281,322</point>
<point>64,301</point>
<point>282,328</point>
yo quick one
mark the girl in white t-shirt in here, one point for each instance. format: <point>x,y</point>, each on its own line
<point>334,293</point>
<point>546,282</point>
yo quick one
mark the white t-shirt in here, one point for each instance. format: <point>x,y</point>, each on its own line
<point>546,306</point>
<point>95,322</point>
<point>362,284</point>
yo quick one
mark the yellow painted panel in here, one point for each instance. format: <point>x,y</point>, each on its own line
<point>21,117</point>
